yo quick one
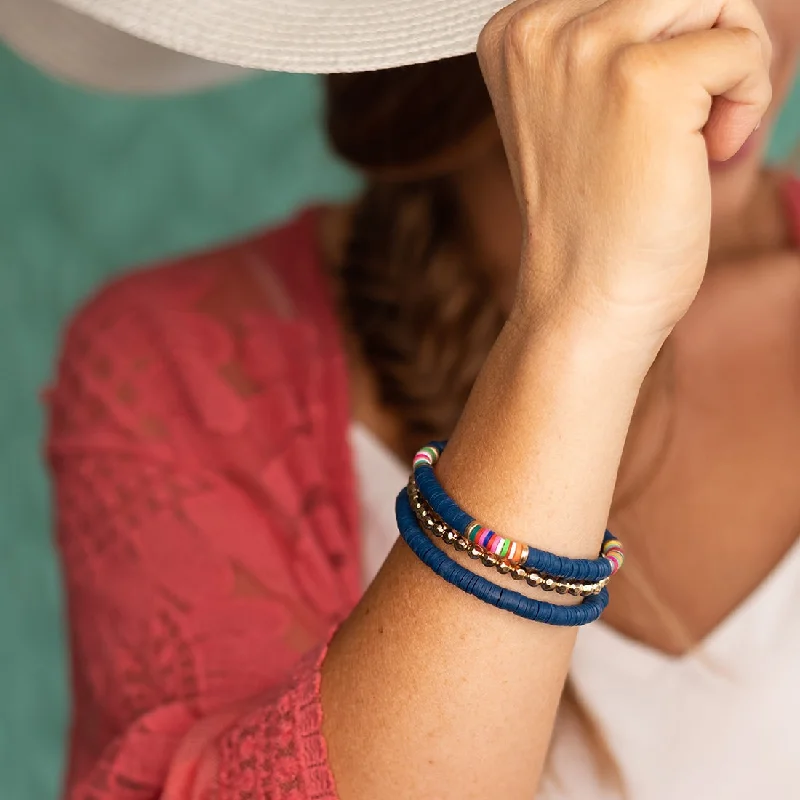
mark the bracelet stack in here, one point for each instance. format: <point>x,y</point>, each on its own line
<point>425,508</point>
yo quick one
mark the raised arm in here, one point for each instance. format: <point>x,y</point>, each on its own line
<point>429,693</point>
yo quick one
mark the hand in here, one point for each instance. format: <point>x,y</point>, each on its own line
<point>609,110</point>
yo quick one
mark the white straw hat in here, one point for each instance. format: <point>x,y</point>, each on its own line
<point>78,49</point>
<point>316,36</point>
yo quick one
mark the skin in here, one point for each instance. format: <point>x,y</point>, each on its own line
<point>614,251</point>
<point>718,410</point>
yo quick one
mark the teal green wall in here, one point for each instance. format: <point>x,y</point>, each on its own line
<point>89,185</point>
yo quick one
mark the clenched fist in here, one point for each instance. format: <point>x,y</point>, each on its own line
<point>609,110</point>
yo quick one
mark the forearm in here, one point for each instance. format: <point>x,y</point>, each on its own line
<point>537,449</point>
<point>430,693</point>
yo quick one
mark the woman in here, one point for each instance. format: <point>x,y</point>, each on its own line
<point>208,494</point>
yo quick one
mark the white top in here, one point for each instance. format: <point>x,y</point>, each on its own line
<point>722,723</point>
<point>380,476</point>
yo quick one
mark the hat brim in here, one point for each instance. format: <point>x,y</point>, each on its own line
<point>313,36</point>
<point>80,50</point>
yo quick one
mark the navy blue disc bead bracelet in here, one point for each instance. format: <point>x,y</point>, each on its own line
<point>508,550</point>
<point>520,605</point>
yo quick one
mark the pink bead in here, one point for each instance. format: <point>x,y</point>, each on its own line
<point>483,536</point>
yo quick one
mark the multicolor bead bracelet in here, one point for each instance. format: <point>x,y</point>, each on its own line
<point>508,551</point>
<point>548,613</point>
<point>432,523</point>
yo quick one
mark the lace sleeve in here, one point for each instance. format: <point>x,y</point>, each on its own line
<point>184,598</point>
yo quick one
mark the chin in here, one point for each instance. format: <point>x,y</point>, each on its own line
<point>732,185</point>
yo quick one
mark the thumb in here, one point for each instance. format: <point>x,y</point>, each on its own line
<point>729,127</point>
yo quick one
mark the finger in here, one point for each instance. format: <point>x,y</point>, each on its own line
<point>549,11</point>
<point>653,20</point>
<point>727,63</point>
<point>548,15</point>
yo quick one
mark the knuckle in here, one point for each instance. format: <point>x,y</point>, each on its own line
<point>583,43</point>
<point>526,31</point>
<point>633,73</point>
<point>518,36</point>
<point>750,45</point>
<point>488,39</point>
<point>754,47</point>
<point>492,37</point>
<point>488,45</point>
<point>750,41</point>
<point>758,52</point>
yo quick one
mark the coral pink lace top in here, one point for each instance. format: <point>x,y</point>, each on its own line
<point>207,522</point>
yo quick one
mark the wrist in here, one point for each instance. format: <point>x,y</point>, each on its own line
<point>592,340</point>
<point>538,447</point>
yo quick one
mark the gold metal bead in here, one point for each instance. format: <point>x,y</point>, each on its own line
<point>489,559</point>
<point>519,573</point>
<point>548,584</point>
<point>449,535</point>
<point>587,590</point>
<point>574,589</point>
<point>474,552</point>
<point>461,544</point>
<point>503,567</point>
<point>561,588</point>
<point>534,580</point>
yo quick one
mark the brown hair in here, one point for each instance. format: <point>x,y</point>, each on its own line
<point>419,305</point>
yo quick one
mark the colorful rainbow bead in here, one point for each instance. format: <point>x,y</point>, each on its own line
<point>612,550</point>
<point>426,455</point>
<point>509,551</point>
<point>482,537</point>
